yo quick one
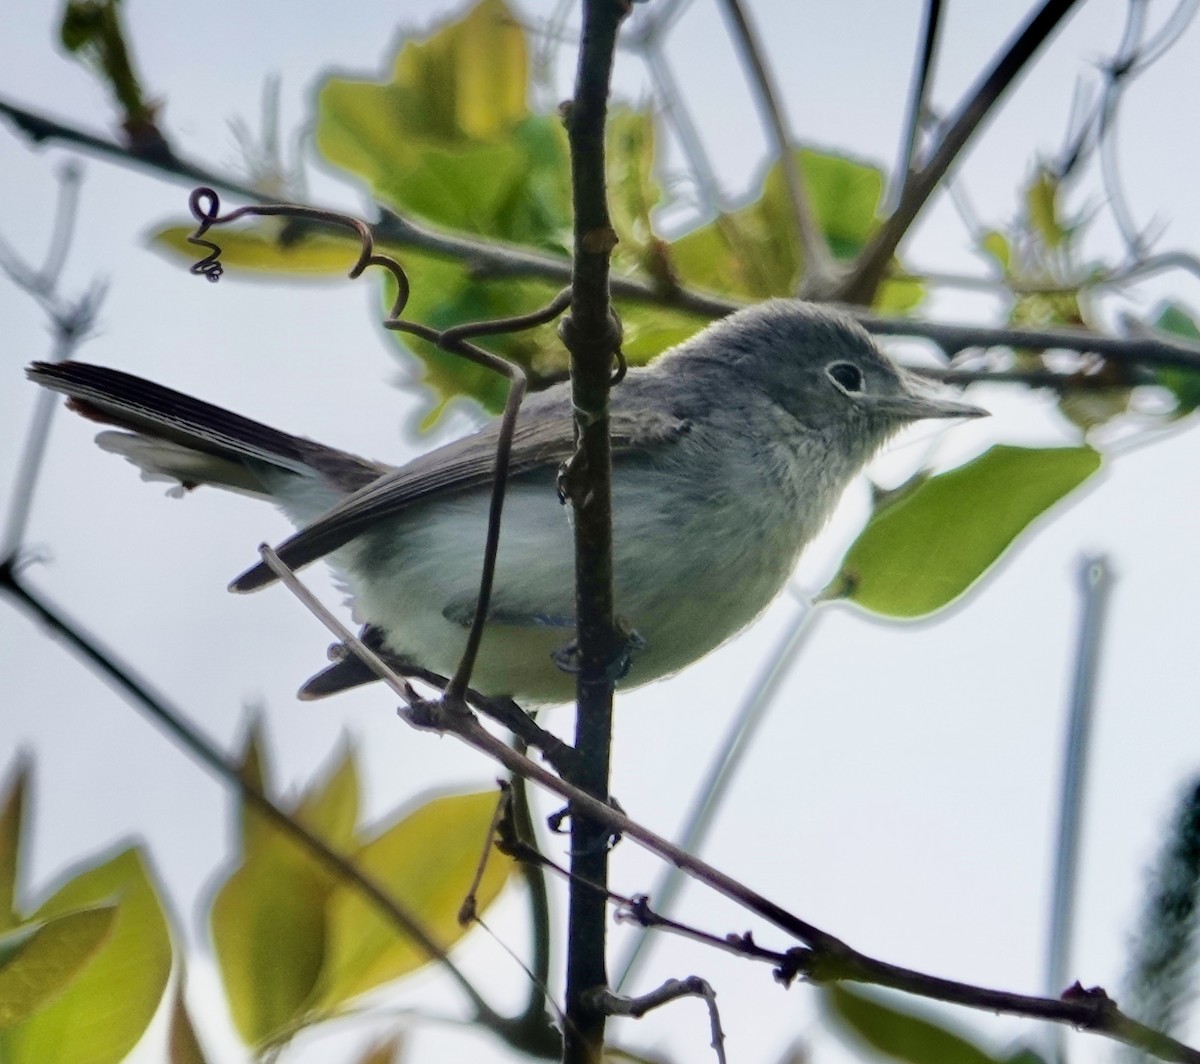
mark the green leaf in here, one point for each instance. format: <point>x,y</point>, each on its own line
<point>40,960</point>
<point>997,245</point>
<point>329,807</point>
<point>752,252</point>
<point>1183,383</point>
<point>845,195</point>
<point>268,926</point>
<point>449,135</point>
<point>11,821</point>
<point>897,1034</point>
<point>268,918</point>
<point>426,861</point>
<point>919,554</point>
<point>101,1015</point>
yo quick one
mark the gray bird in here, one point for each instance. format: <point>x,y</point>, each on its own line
<point>729,454</point>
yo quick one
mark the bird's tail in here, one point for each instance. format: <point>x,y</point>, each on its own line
<point>169,434</point>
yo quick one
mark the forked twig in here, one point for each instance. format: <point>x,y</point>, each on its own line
<point>671,990</point>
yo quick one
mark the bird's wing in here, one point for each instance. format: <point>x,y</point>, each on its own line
<point>544,438</point>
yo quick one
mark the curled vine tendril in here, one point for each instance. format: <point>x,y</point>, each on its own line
<point>205,204</point>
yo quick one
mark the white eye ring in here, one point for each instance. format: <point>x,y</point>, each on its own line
<point>846,377</point>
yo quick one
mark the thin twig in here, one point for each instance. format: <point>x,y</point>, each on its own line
<point>674,105</point>
<point>539,899</point>
<point>636,909</point>
<point>72,322</point>
<point>671,990</point>
<point>953,338</point>
<point>931,26</point>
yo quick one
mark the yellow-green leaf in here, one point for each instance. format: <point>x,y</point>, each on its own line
<point>268,927</point>
<point>267,247</point>
<point>470,77</point>
<point>753,251</point>
<point>101,1015</point>
<point>897,1034</point>
<point>633,191</point>
<point>329,807</point>
<point>996,244</point>
<point>11,820</point>
<point>922,552</point>
<point>40,960</point>
<point>426,861</point>
<point>449,136</point>
<point>1041,199</point>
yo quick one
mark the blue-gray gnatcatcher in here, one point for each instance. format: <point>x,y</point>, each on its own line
<point>729,453</point>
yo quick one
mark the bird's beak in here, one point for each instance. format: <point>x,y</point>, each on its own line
<point>919,402</point>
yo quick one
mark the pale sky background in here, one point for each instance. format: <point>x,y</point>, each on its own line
<point>902,793</point>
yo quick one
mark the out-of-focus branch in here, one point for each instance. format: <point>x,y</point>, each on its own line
<point>918,92</point>
<point>871,266</point>
<point>1095,584</point>
<point>71,323</point>
<point>952,338</point>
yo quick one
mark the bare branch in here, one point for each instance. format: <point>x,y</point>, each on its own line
<point>671,990</point>
<point>931,26</point>
<point>954,338</point>
<point>722,767</point>
<point>592,337</point>
<point>872,264</point>
<point>72,321</point>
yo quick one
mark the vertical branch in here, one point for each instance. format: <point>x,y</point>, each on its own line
<point>1095,581</point>
<point>918,94</point>
<point>593,339</point>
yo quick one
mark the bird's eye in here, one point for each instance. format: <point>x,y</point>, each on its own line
<point>846,375</point>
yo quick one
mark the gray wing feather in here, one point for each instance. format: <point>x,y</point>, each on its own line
<point>544,437</point>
